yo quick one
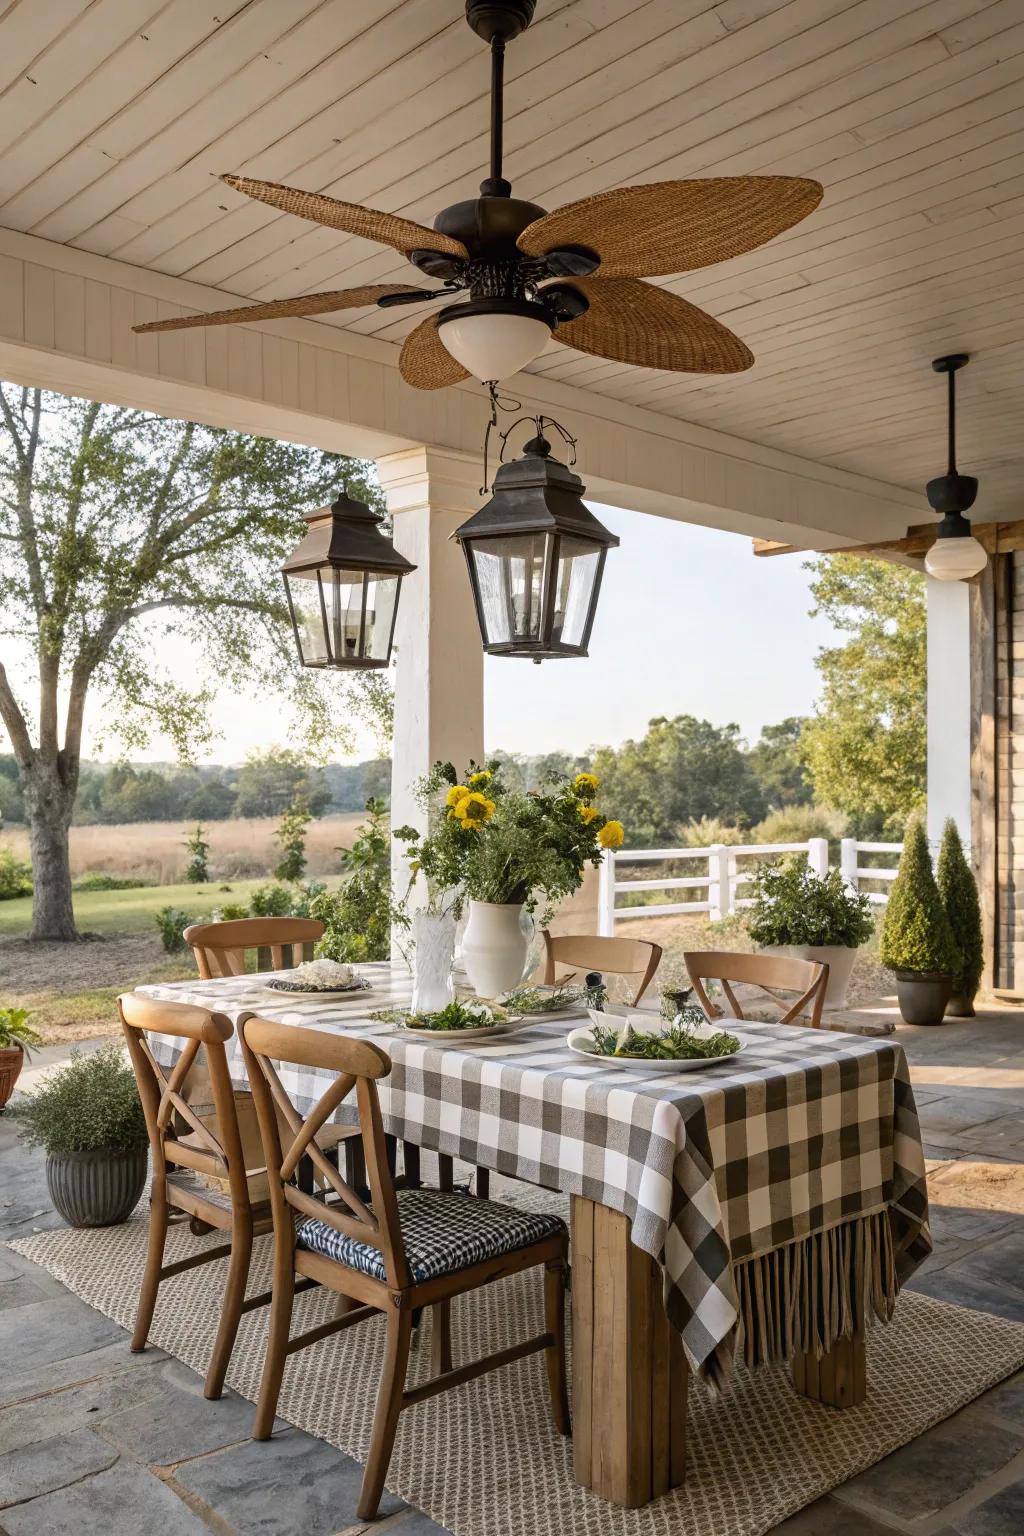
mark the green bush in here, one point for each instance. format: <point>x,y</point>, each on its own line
<point>230,912</point>
<point>705,832</point>
<point>959,893</point>
<point>172,924</point>
<point>291,834</point>
<point>15,1030</point>
<point>916,935</point>
<point>100,880</point>
<point>357,919</point>
<point>793,905</point>
<point>197,870</point>
<point>91,1105</point>
<point>797,823</point>
<point>272,901</point>
<point>15,876</point>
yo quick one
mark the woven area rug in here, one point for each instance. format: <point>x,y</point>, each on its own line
<point>484,1460</point>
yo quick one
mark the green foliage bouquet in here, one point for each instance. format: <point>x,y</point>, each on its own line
<point>793,905</point>
<point>916,935</point>
<point>490,842</point>
<point>91,1105</point>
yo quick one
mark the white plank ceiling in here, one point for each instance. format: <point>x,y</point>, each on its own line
<point>117,115</point>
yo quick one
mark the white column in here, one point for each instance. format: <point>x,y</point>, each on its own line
<point>949,708</point>
<point>439,674</point>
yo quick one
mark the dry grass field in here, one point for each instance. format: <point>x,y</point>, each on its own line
<point>154,851</point>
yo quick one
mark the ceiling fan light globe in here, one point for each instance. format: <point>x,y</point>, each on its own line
<point>955,559</point>
<point>493,346</point>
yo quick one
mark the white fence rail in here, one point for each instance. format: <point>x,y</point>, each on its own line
<point>715,876</point>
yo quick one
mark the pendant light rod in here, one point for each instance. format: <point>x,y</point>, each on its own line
<point>949,366</point>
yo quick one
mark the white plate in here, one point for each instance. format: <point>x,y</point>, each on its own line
<point>581,1041</point>
<point>485,1032</point>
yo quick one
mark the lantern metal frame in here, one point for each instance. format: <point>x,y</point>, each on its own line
<point>344,537</point>
<point>540,496</point>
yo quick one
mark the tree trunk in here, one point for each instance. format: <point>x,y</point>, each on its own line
<point>48,806</point>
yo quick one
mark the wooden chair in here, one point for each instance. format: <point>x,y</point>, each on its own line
<point>596,952</point>
<point>402,1252</point>
<point>281,943</point>
<point>209,1145</point>
<point>771,973</point>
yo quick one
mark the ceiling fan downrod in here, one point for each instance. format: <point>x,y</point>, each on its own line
<point>498,22</point>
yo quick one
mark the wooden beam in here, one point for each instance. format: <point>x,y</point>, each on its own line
<point>997,538</point>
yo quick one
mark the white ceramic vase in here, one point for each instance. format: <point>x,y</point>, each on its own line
<point>495,947</point>
<point>434,938</point>
<point>838,957</point>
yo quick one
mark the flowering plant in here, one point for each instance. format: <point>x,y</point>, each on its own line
<point>489,842</point>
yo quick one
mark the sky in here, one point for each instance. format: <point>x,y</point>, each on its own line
<point>689,622</point>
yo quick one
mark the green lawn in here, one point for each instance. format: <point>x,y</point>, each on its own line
<point>132,911</point>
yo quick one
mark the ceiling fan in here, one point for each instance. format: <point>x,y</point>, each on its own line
<point>522,275</point>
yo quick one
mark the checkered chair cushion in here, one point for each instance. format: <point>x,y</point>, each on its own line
<point>443,1232</point>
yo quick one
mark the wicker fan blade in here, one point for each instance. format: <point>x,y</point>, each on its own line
<point>425,361</point>
<point>634,322</point>
<point>281,309</point>
<point>387,228</point>
<point>675,226</point>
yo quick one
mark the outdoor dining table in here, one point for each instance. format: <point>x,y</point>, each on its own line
<point>764,1208</point>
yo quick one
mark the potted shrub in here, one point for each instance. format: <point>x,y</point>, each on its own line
<point>89,1118</point>
<point>814,917</point>
<point>15,1039</point>
<point>959,892</point>
<point>917,941</point>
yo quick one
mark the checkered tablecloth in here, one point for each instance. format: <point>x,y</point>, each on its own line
<point>803,1131</point>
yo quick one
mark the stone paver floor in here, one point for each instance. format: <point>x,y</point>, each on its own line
<point>100,1442</point>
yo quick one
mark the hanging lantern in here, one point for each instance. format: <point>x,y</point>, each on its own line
<point>342,584</point>
<point>956,554</point>
<point>536,557</point>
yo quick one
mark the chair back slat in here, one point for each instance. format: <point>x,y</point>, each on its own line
<point>772,974</point>
<point>610,955</point>
<point>356,1063</point>
<point>163,1095</point>
<point>281,943</point>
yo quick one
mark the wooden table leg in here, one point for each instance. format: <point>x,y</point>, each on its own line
<point>838,1379</point>
<point>629,1370</point>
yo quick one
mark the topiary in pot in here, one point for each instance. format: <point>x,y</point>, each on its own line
<point>814,917</point>
<point>15,1039</point>
<point>959,892</point>
<point>89,1118</point>
<point>917,941</point>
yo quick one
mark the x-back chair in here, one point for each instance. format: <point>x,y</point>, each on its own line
<point>208,1145</point>
<point>771,973</point>
<point>600,952</point>
<point>397,1254</point>
<point>281,943</point>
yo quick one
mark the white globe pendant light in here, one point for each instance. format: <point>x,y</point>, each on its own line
<point>956,554</point>
<point>494,339</point>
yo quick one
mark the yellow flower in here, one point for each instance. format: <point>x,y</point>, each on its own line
<point>456,793</point>
<point>474,809</point>
<point>587,813</point>
<point>585,783</point>
<point>612,835</point>
<point>483,777</point>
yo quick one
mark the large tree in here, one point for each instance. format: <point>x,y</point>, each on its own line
<point>682,770</point>
<point>866,749</point>
<point>114,523</point>
<point>778,764</point>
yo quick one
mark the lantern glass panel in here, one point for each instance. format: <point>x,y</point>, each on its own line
<point>381,602</point>
<point>510,578</point>
<point>343,598</point>
<point>579,564</point>
<point>304,591</point>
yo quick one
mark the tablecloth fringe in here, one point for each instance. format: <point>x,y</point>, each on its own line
<point>801,1298</point>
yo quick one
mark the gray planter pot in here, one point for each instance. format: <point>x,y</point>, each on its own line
<point>923,995</point>
<point>960,1007</point>
<point>97,1189</point>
